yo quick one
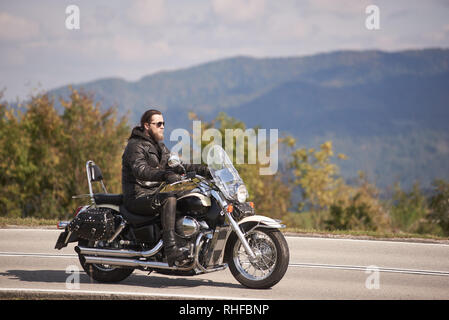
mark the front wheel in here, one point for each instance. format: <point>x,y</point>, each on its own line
<point>270,265</point>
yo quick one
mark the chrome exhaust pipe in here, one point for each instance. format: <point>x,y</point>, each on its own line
<point>131,263</point>
<point>119,253</point>
<point>106,257</point>
<point>134,263</point>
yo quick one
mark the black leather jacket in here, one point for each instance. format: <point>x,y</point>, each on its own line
<point>144,166</point>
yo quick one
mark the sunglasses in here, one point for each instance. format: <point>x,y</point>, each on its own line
<point>159,124</point>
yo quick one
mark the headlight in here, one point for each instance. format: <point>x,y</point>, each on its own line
<point>242,193</point>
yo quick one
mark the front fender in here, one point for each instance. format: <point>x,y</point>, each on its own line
<point>262,221</point>
<point>247,224</point>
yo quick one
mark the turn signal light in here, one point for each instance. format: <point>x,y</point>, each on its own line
<point>251,204</point>
<point>230,208</point>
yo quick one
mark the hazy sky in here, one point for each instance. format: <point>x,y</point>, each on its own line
<point>131,39</point>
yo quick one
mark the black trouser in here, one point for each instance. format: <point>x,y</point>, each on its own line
<point>164,203</point>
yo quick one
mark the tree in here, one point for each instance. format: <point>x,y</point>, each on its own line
<point>16,168</point>
<point>358,207</point>
<point>90,133</point>
<point>439,205</point>
<point>333,203</point>
<point>43,153</point>
<point>269,193</point>
<point>408,209</point>
<point>42,125</point>
<point>318,179</point>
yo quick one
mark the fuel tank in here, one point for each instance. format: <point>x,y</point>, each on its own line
<point>193,203</point>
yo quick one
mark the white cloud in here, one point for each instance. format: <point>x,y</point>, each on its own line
<point>16,28</point>
<point>134,49</point>
<point>288,25</point>
<point>147,12</point>
<point>341,7</point>
<point>133,38</point>
<point>13,58</point>
<point>239,10</point>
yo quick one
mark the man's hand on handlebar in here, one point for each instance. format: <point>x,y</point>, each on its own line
<point>172,177</point>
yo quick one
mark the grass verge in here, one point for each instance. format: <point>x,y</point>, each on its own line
<point>363,234</point>
<point>27,222</point>
<point>51,223</point>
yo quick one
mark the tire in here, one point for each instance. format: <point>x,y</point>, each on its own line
<point>103,273</point>
<point>273,257</point>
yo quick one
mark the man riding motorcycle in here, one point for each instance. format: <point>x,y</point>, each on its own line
<point>144,168</point>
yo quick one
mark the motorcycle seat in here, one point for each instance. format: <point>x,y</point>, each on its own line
<point>137,220</point>
<point>106,198</point>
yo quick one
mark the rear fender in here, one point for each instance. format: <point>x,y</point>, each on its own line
<point>64,238</point>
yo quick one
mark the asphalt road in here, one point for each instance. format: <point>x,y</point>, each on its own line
<point>320,268</point>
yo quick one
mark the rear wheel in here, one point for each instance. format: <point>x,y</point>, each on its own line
<point>101,272</point>
<point>270,264</point>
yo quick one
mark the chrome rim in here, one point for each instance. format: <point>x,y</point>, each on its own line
<point>266,255</point>
<point>102,267</point>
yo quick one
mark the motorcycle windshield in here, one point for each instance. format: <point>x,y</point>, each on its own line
<point>226,177</point>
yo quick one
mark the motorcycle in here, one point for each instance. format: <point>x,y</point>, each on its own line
<point>214,222</point>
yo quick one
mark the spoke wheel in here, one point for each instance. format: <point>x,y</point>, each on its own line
<point>266,254</point>
<point>271,258</point>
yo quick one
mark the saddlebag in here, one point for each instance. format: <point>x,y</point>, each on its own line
<point>94,224</point>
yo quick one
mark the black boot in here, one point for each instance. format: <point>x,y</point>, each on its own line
<point>172,252</point>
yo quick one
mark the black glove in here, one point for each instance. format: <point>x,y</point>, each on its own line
<point>205,172</point>
<point>178,170</point>
<point>172,177</point>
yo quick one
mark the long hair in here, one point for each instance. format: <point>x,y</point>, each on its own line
<point>146,117</point>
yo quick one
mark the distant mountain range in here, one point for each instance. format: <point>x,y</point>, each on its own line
<point>387,111</point>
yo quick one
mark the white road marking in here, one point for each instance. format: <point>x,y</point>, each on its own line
<point>397,242</point>
<point>37,255</point>
<point>364,268</point>
<point>145,294</point>
<point>301,265</point>
<point>401,241</point>
<point>30,229</point>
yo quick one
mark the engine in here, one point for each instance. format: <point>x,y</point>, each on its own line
<point>187,227</point>
<point>191,205</point>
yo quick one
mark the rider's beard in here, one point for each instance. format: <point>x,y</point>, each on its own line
<point>156,135</point>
